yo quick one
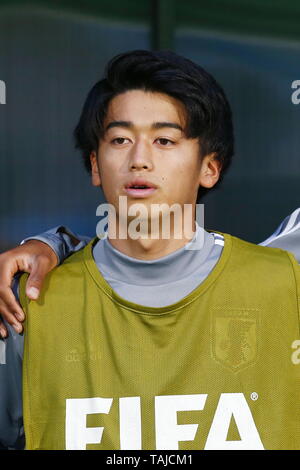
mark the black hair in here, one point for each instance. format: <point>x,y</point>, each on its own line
<point>209,115</point>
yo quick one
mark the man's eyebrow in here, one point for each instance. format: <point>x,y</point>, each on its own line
<point>155,125</point>
<point>118,124</point>
<point>160,125</point>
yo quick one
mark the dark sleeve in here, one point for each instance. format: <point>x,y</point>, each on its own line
<point>11,413</point>
<point>62,241</point>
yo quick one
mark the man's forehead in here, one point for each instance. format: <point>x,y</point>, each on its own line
<point>147,109</point>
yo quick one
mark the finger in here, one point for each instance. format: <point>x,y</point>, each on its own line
<point>8,300</point>
<point>3,330</point>
<point>11,319</point>
<point>40,268</point>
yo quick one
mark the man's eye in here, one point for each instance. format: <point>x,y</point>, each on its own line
<point>119,140</point>
<point>165,142</point>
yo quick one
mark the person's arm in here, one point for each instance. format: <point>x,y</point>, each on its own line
<point>37,256</point>
<point>287,235</point>
<point>62,241</point>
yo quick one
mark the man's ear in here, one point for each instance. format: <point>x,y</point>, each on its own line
<point>210,171</point>
<point>96,180</point>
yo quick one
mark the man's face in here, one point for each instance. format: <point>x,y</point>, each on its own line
<point>144,139</point>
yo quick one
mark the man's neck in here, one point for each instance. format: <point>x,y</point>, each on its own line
<point>150,248</point>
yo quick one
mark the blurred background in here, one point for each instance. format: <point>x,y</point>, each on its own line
<point>52,52</point>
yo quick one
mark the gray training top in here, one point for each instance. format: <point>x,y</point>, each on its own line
<point>153,283</point>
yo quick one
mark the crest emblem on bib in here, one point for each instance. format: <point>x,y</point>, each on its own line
<point>234,337</point>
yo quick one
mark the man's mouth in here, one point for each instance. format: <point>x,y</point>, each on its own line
<point>140,188</point>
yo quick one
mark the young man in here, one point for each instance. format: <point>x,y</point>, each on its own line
<point>143,343</point>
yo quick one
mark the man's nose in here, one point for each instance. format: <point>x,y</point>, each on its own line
<point>141,156</point>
